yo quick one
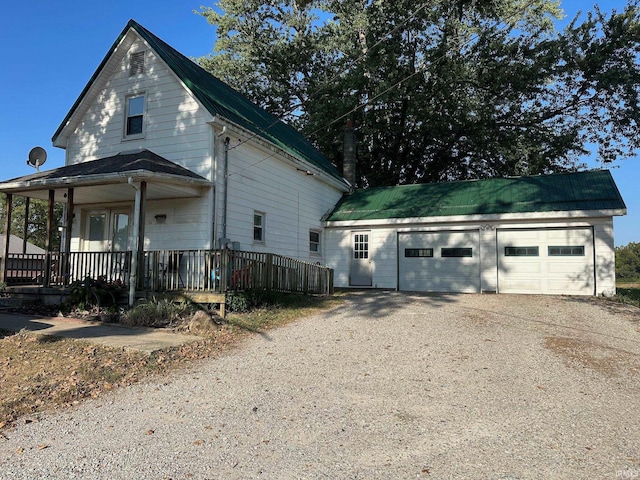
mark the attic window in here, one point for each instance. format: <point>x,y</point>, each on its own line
<point>136,64</point>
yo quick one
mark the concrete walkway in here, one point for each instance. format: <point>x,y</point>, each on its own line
<point>111,335</point>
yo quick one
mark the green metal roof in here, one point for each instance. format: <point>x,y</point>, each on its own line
<point>592,190</point>
<point>220,99</point>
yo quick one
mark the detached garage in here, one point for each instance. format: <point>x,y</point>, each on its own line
<point>548,234</point>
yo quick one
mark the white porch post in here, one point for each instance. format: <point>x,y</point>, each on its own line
<point>137,246</point>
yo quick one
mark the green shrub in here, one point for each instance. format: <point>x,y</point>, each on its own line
<point>242,302</point>
<point>156,312</point>
<point>90,292</point>
<point>630,296</point>
<point>237,302</point>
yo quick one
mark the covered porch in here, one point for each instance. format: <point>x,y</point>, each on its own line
<point>103,234</point>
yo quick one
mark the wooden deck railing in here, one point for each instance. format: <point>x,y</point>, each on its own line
<point>174,270</point>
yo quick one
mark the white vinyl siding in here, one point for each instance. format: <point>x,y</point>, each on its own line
<point>569,275</point>
<point>293,203</point>
<point>175,127</point>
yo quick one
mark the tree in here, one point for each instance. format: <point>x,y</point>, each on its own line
<point>628,262</point>
<point>37,224</point>
<point>449,89</point>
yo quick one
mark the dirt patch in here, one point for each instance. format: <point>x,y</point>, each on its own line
<point>593,355</point>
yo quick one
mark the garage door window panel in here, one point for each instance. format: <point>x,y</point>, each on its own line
<point>521,251</point>
<point>566,251</point>
<point>418,252</point>
<point>456,252</point>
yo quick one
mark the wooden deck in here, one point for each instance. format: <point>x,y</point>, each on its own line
<point>205,276</point>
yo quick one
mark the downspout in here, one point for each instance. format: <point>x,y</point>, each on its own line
<point>134,250</point>
<point>226,186</point>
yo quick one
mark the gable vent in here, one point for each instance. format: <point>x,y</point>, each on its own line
<point>136,65</point>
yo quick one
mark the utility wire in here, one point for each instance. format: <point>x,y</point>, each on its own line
<point>328,82</point>
<point>369,100</point>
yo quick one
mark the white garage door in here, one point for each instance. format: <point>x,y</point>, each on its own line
<point>550,261</point>
<point>439,261</point>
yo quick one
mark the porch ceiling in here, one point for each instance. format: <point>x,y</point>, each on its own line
<point>108,180</point>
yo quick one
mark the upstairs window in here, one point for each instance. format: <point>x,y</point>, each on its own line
<point>135,116</point>
<point>136,63</point>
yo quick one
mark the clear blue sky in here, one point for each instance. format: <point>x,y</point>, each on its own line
<point>50,49</point>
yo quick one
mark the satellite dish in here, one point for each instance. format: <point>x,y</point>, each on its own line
<point>37,157</point>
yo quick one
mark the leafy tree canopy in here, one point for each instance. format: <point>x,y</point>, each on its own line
<point>628,262</point>
<point>37,224</point>
<point>441,89</point>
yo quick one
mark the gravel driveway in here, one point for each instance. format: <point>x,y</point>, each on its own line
<point>388,386</point>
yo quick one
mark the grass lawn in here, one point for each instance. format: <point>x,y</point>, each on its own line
<point>629,293</point>
<point>40,373</point>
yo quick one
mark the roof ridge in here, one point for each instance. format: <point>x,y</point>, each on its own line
<point>235,106</point>
<point>488,179</point>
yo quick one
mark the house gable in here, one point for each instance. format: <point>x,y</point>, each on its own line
<point>218,99</point>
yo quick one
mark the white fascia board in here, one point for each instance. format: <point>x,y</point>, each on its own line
<point>103,179</point>
<point>511,217</point>
<point>244,135</point>
<point>99,83</point>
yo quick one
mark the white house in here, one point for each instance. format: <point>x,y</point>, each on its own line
<point>162,155</point>
<point>162,158</point>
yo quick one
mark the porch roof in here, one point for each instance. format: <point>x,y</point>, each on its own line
<point>106,179</point>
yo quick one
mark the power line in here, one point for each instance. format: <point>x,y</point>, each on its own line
<point>333,78</point>
<point>371,99</point>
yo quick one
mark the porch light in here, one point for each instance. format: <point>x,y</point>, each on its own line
<point>161,217</point>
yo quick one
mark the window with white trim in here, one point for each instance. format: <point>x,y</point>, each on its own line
<point>314,242</point>
<point>134,121</point>
<point>258,227</point>
<point>361,246</point>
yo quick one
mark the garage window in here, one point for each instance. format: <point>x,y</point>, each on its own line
<point>521,251</point>
<point>456,252</point>
<point>418,252</point>
<point>566,251</point>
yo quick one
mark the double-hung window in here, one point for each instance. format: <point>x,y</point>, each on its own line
<point>134,122</point>
<point>258,227</point>
<point>314,242</point>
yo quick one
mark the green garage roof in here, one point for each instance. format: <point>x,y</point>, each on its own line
<point>592,190</point>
